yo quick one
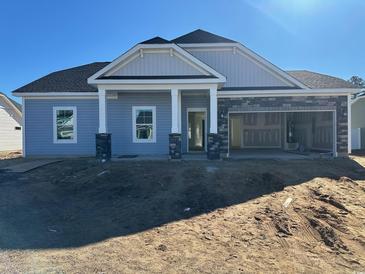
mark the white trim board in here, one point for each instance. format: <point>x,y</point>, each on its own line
<point>285,92</point>
<point>23,129</point>
<point>50,94</point>
<point>349,137</point>
<point>134,126</point>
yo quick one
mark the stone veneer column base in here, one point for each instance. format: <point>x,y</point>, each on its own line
<point>175,145</point>
<point>213,146</point>
<point>103,146</point>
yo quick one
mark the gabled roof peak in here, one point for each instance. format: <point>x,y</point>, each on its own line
<point>201,36</point>
<point>156,40</point>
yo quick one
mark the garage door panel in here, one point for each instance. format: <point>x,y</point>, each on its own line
<point>323,137</point>
<point>261,138</point>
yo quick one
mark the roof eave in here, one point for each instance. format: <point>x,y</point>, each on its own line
<point>288,92</point>
<point>158,81</point>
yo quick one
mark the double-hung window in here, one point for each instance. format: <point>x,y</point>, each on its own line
<point>144,124</point>
<point>64,125</point>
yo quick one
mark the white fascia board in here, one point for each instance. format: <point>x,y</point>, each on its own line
<point>157,87</point>
<point>284,92</point>
<point>257,58</point>
<point>158,81</point>
<point>54,94</point>
<point>208,45</point>
<point>220,78</point>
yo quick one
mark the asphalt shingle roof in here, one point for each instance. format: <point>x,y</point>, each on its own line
<point>68,80</point>
<point>318,80</point>
<point>201,36</point>
<point>156,40</point>
<point>75,79</point>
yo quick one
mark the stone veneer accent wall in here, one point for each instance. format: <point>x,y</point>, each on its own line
<point>287,103</point>
<point>175,145</point>
<point>213,146</point>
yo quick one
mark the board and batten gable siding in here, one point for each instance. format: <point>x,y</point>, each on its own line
<point>239,70</point>
<point>155,64</point>
<point>10,138</point>
<point>120,123</point>
<point>39,127</point>
<point>192,101</point>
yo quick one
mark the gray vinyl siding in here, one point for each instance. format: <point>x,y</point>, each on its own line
<point>157,64</point>
<point>192,101</point>
<point>120,123</point>
<point>239,70</point>
<point>39,127</point>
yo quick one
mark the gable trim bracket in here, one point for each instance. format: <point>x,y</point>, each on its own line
<point>174,49</point>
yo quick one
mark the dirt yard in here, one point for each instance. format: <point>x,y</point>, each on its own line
<point>78,216</point>
<point>6,155</point>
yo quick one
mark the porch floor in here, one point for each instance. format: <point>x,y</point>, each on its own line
<point>186,157</point>
<point>235,154</point>
<point>275,154</point>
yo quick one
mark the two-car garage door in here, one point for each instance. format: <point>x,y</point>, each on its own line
<point>252,130</point>
<point>311,131</point>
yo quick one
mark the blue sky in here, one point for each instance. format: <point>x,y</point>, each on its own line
<point>41,36</point>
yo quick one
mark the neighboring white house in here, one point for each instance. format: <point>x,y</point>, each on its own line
<point>358,121</point>
<point>10,124</point>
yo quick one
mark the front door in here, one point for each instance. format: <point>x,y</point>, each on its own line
<point>196,130</point>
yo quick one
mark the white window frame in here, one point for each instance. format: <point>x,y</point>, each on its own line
<point>64,141</point>
<point>134,110</point>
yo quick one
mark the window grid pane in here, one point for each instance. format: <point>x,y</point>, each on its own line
<point>65,124</point>
<point>144,124</point>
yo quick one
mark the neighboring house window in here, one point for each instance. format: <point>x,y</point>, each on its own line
<point>144,124</point>
<point>64,125</point>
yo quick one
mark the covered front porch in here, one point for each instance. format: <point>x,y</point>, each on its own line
<point>178,121</point>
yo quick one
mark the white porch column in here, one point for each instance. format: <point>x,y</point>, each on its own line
<point>213,110</point>
<point>175,109</point>
<point>102,111</point>
<point>179,110</point>
<point>349,137</point>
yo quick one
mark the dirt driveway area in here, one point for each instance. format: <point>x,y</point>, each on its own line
<point>78,216</point>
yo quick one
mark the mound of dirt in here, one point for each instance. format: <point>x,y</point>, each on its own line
<point>323,216</point>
